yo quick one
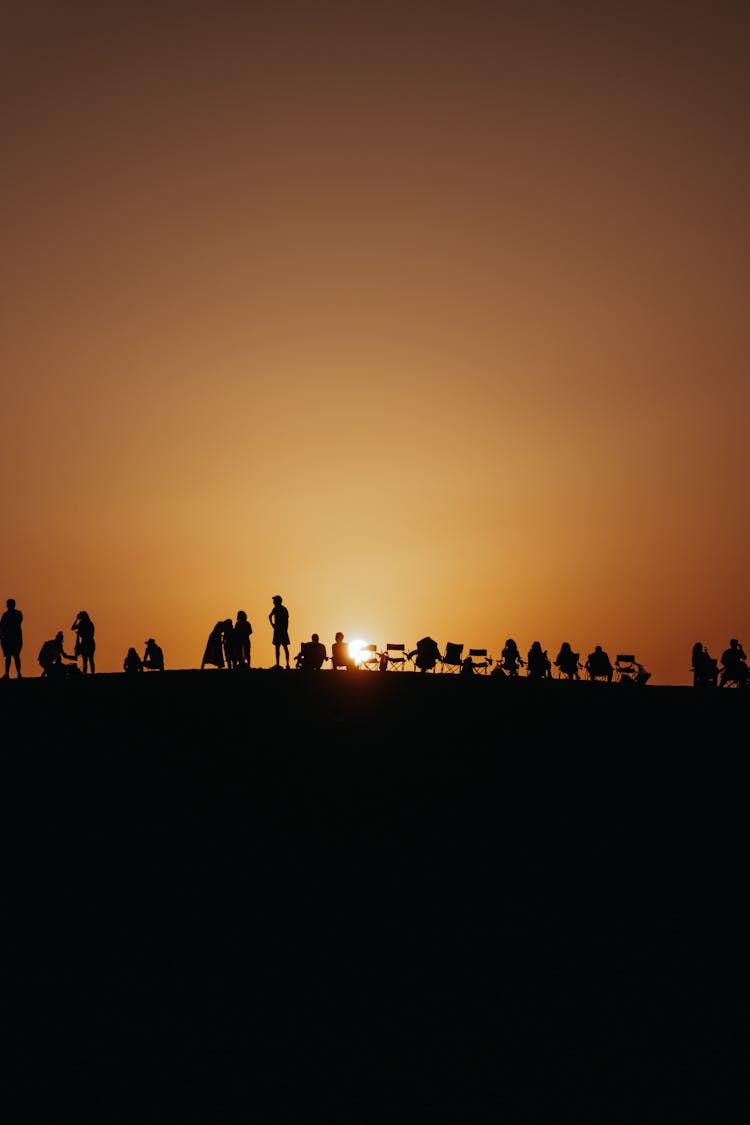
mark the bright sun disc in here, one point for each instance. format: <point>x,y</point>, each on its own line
<point>356,649</point>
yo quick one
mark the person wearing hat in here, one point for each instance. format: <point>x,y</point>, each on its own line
<point>153,657</point>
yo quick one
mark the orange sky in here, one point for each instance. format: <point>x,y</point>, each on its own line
<point>430,317</point>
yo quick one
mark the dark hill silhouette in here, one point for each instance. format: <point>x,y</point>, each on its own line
<point>442,898</point>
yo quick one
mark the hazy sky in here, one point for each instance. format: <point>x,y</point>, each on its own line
<point>430,317</point>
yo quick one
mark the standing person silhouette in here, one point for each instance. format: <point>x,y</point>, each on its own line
<point>11,637</point>
<point>279,618</point>
<point>214,650</point>
<point>83,627</point>
<point>241,638</point>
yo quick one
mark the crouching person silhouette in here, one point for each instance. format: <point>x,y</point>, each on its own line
<point>51,656</point>
<point>153,657</point>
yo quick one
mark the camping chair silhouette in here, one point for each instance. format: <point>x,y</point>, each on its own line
<point>628,670</point>
<point>452,661</point>
<point>369,658</point>
<point>395,655</point>
<point>481,659</point>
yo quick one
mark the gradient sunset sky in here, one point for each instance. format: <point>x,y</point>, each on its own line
<point>430,317</point>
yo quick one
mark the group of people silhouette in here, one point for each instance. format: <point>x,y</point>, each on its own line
<point>151,661</point>
<point>229,646</point>
<point>731,669</point>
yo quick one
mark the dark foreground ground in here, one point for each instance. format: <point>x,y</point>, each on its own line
<point>287,898</point>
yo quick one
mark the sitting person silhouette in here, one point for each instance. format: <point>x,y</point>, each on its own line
<point>426,654</point>
<point>567,661</point>
<point>510,658</point>
<point>733,665</point>
<point>598,665</point>
<point>132,662</point>
<point>340,654</point>
<point>538,663</point>
<point>153,657</point>
<point>312,655</point>
<point>704,667</point>
<point>51,656</point>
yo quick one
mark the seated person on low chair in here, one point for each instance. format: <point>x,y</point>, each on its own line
<point>426,654</point>
<point>312,655</point>
<point>340,654</point>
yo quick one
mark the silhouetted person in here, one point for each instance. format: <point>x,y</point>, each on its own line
<point>340,656</point>
<point>51,656</point>
<point>733,665</point>
<point>538,666</point>
<point>11,637</point>
<point>510,658</point>
<point>567,661</point>
<point>598,665</point>
<point>241,639</point>
<point>705,668</point>
<point>132,662</point>
<point>227,643</point>
<point>83,627</point>
<point>279,618</point>
<point>467,666</point>
<point>426,654</point>
<point>153,657</point>
<point>312,655</point>
<point>214,650</point>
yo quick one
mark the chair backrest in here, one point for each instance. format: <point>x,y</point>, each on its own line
<point>396,653</point>
<point>452,656</point>
<point>480,659</point>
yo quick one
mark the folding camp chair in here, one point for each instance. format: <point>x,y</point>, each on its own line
<point>396,656</point>
<point>369,658</point>
<point>628,670</point>
<point>481,659</point>
<point>452,661</point>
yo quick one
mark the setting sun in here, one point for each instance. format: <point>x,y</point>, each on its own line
<point>431,319</point>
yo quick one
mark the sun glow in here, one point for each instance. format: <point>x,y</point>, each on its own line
<point>357,649</point>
